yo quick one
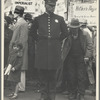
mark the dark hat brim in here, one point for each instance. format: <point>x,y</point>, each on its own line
<point>50,2</point>
<point>71,26</point>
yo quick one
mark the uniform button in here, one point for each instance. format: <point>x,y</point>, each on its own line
<point>49,36</point>
<point>48,30</point>
<point>48,16</point>
<point>48,25</point>
<point>48,22</point>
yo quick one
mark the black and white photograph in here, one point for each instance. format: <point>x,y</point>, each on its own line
<point>50,50</point>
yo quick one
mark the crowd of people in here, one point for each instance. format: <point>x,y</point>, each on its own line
<point>61,52</point>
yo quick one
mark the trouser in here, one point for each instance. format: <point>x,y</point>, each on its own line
<point>76,75</point>
<point>48,78</point>
<point>22,82</point>
<point>64,75</point>
<point>94,70</point>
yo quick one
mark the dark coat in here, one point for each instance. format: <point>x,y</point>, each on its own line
<point>7,37</point>
<point>20,35</point>
<point>15,59</point>
<point>48,50</point>
<point>86,45</point>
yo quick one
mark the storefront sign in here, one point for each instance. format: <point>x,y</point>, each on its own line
<point>84,11</point>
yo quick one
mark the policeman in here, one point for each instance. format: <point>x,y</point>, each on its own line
<point>48,30</point>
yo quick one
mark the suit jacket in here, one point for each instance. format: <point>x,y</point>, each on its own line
<point>20,35</point>
<point>48,32</point>
<point>86,44</point>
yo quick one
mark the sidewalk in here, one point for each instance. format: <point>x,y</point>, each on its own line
<point>31,95</point>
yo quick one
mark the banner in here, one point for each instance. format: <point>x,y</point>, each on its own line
<point>84,11</point>
<point>29,5</point>
<point>7,3</point>
<point>60,8</point>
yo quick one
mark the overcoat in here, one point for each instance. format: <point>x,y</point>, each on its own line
<point>15,59</point>
<point>86,45</point>
<point>48,31</point>
<point>20,35</point>
<point>7,37</point>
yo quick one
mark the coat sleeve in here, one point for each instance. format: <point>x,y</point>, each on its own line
<point>18,65</point>
<point>89,46</point>
<point>64,32</point>
<point>34,28</point>
<point>23,38</point>
<point>8,36</point>
<point>15,33</point>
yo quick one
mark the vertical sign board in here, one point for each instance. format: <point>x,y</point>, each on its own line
<point>29,5</point>
<point>84,11</point>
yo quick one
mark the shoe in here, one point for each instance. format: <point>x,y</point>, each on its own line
<point>81,97</point>
<point>15,96</point>
<point>21,91</point>
<point>72,96</point>
<point>65,93</point>
<point>10,95</point>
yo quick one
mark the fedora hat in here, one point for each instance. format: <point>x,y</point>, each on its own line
<point>84,22</point>
<point>74,23</point>
<point>51,2</point>
<point>19,10</point>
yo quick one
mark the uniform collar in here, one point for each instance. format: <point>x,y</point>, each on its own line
<point>49,14</point>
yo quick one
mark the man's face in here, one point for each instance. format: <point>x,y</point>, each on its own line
<point>74,31</point>
<point>50,8</point>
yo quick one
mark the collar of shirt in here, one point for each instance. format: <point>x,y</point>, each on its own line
<point>49,14</point>
<point>19,19</point>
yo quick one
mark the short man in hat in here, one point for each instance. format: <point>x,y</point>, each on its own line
<point>28,17</point>
<point>84,27</point>
<point>20,35</point>
<point>76,52</point>
<point>48,30</point>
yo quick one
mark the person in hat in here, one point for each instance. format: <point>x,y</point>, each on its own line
<point>28,17</point>
<point>7,37</point>
<point>48,30</point>
<point>20,35</point>
<point>76,52</point>
<point>31,46</point>
<point>84,27</point>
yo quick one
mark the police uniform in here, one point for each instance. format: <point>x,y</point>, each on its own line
<point>48,30</point>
